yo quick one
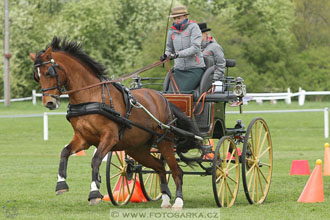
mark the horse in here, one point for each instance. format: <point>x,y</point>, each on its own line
<point>64,64</point>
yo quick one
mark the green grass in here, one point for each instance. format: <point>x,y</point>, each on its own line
<point>29,167</point>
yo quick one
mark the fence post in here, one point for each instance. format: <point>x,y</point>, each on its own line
<point>288,98</point>
<point>301,98</point>
<point>326,122</point>
<point>45,126</point>
<point>34,97</point>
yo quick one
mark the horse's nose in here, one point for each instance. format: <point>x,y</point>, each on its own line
<point>51,105</point>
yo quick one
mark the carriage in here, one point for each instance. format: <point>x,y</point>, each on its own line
<point>104,113</point>
<point>221,156</point>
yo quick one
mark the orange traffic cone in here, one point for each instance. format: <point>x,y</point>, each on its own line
<point>326,165</point>
<point>137,195</point>
<point>210,155</point>
<point>106,198</point>
<point>313,191</point>
<point>300,167</point>
<point>80,153</point>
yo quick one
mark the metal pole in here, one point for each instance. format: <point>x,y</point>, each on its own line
<point>326,122</point>
<point>6,78</point>
<point>45,126</point>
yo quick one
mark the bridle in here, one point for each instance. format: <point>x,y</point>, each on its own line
<point>52,72</point>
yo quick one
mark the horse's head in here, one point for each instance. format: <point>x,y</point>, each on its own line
<point>50,76</point>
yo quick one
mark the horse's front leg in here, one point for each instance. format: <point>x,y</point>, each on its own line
<point>62,186</point>
<point>75,145</point>
<point>95,196</point>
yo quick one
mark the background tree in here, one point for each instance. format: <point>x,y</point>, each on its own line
<point>276,44</point>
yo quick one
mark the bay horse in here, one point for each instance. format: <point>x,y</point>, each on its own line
<point>65,64</point>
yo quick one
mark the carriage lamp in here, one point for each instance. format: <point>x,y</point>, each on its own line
<point>239,89</point>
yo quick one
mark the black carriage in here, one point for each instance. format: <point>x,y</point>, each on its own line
<point>221,157</point>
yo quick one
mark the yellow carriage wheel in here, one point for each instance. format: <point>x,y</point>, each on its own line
<point>257,161</point>
<point>150,181</point>
<point>225,172</point>
<point>120,177</point>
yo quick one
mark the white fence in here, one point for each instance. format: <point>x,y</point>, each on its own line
<point>258,97</point>
<point>46,114</point>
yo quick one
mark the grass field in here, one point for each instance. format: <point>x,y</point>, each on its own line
<point>28,168</point>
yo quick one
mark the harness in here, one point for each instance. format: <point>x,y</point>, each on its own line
<point>105,110</point>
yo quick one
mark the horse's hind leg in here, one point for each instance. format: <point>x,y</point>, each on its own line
<point>75,145</point>
<point>167,151</point>
<point>144,157</point>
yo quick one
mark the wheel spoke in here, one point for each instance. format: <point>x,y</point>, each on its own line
<point>119,158</point>
<point>123,189</point>
<point>231,156</point>
<point>156,184</point>
<point>151,183</point>
<point>114,175</point>
<point>231,193</point>
<point>262,174</point>
<point>120,185</point>
<point>254,182</point>
<point>263,153</point>
<point>265,164</point>
<point>263,143</point>
<point>147,179</point>
<point>128,189</point>
<point>232,179</point>
<point>259,138</point>
<point>223,195</point>
<point>119,168</point>
<point>236,165</point>
<point>220,188</point>
<point>253,154</point>
<point>261,187</point>
<point>227,194</point>
<point>251,178</point>
<point>251,168</point>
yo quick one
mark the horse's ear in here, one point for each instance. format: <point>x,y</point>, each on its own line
<point>48,52</point>
<point>33,56</point>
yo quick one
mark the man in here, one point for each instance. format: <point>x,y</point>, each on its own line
<point>213,53</point>
<point>184,45</point>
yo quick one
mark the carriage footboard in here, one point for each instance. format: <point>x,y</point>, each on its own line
<point>220,97</point>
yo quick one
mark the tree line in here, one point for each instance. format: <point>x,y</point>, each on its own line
<point>276,44</point>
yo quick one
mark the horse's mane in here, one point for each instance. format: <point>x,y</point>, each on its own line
<point>75,49</point>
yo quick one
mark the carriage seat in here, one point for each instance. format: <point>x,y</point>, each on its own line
<point>206,80</point>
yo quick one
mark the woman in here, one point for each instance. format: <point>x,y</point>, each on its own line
<point>184,45</point>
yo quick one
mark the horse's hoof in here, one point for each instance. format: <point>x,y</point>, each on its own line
<point>61,191</point>
<point>95,201</point>
<point>166,206</point>
<point>177,206</point>
<point>61,187</point>
<point>95,197</point>
<point>166,202</point>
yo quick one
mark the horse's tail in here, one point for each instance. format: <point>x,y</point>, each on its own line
<point>186,142</point>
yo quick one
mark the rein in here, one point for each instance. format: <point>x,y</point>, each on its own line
<point>120,79</point>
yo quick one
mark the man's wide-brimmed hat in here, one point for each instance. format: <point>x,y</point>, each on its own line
<point>178,11</point>
<point>203,27</point>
